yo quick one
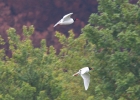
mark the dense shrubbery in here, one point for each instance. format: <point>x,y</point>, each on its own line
<point>38,73</point>
<point>110,43</point>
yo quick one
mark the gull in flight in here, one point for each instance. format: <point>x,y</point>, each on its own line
<point>85,75</point>
<point>66,20</point>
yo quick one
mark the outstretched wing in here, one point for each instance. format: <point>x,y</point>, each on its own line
<point>76,74</point>
<point>57,23</point>
<point>86,79</point>
<point>66,17</point>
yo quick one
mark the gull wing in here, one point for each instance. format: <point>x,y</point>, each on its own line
<point>76,74</point>
<point>57,23</point>
<point>86,79</point>
<point>67,17</point>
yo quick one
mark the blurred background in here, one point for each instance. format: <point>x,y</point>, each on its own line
<point>43,14</point>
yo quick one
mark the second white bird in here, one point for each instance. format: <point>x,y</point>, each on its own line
<point>85,75</point>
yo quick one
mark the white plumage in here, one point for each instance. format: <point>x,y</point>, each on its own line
<point>66,20</point>
<point>85,75</point>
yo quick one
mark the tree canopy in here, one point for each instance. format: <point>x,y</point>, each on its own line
<point>41,74</point>
<point>115,32</point>
<point>110,44</point>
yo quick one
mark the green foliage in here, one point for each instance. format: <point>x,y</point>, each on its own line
<point>24,76</point>
<point>39,74</point>
<point>110,43</point>
<point>25,92</point>
<point>115,33</point>
<point>74,54</point>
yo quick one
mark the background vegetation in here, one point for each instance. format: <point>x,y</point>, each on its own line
<point>110,43</point>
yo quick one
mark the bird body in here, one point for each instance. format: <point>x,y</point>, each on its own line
<point>66,20</point>
<point>84,70</point>
<point>85,75</point>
